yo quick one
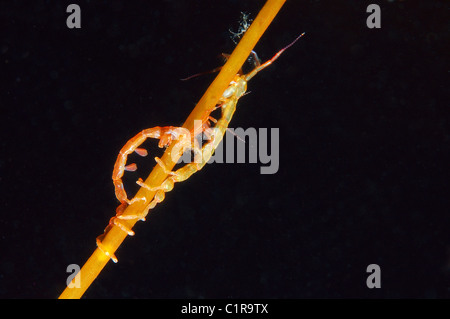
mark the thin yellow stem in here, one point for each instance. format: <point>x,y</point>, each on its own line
<point>115,236</point>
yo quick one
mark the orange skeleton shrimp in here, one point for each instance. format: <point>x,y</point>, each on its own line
<point>182,137</point>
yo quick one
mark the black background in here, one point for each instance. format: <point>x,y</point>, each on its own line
<point>364,150</point>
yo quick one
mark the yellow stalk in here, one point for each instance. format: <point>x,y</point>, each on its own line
<point>115,236</point>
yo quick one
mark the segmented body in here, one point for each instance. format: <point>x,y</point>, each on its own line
<point>185,140</point>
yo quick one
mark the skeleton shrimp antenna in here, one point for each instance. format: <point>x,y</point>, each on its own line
<point>269,62</point>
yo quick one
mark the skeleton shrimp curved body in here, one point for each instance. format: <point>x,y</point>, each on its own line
<point>185,140</point>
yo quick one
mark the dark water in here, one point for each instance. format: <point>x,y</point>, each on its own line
<point>364,150</point>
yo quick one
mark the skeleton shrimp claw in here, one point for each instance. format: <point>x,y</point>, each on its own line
<point>166,135</point>
<point>104,250</point>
